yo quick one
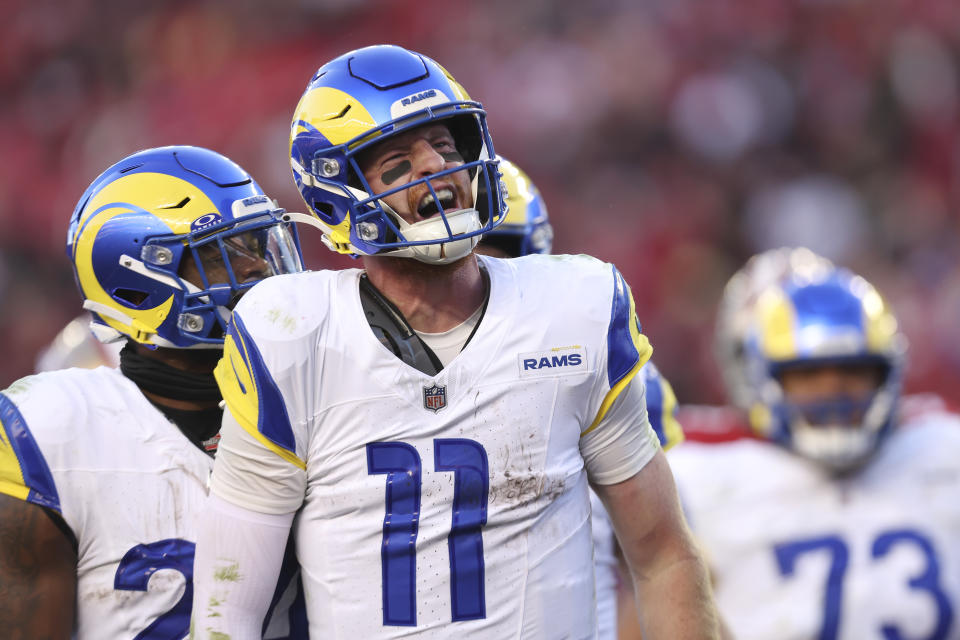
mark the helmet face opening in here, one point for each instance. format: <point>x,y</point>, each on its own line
<point>166,241</point>
<point>832,392</point>
<point>381,228</point>
<point>365,101</point>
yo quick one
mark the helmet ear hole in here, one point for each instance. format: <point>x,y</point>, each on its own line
<point>323,208</point>
<point>132,296</point>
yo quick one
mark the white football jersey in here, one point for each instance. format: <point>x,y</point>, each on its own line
<point>88,445</point>
<point>425,500</point>
<point>796,554</point>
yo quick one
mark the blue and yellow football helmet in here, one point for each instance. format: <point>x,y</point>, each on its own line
<point>162,212</point>
<point>735,312</point>
<point>361,99</point>
<point>526,226</point>
<point>809,322</point>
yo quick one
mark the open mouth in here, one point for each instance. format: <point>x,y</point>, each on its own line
<point>429,206</point>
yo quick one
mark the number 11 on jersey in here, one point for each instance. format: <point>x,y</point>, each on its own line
<point>400,462</point>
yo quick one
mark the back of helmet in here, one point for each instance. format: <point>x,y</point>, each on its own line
<point>526,226</point>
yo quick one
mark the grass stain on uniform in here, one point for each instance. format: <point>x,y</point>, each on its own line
<point>228,573</point>
<point>282,318</point>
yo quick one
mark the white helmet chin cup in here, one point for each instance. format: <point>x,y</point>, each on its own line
<point>461,222</point>
<point>838,448</point>
<point>844,447</point>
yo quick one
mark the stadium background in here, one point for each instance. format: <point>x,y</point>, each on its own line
<point>672,137</point>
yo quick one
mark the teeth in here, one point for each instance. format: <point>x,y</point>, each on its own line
<point>446,195</point>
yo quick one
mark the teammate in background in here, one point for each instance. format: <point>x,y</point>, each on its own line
<point>103,470</point>
<point>432,419</point>
<point>836,520</point>
<point>526,229</point>
<point>706,423</point>
<point>76,346</point>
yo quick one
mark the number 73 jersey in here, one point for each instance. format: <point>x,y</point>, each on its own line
<point>797,554</point>
<point>437,505</point>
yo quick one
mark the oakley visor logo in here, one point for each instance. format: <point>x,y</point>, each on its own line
<point>205,221</point>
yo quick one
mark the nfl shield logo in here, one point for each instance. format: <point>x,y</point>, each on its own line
<point>434,398</point>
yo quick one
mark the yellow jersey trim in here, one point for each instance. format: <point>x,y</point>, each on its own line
<point>644,351</point>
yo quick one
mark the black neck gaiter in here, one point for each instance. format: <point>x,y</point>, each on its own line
<point>200,426</point>
<point>160,378</point>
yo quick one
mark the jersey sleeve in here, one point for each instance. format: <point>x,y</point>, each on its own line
<point>624,442</point>
<point>627,350</point>
<point>265,377</point>
<point>24,473</point>
<point>252,395</point>
<point>621,439</point>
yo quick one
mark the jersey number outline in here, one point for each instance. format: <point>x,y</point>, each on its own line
<point>400,462</point>
<point>928,581</point>
<point>141,562</point>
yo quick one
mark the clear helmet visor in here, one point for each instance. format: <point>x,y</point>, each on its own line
<point>231,262</point>
<point>219,268</point>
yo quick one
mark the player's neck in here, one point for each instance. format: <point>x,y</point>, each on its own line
<point>432,298</point>
<point>176,403</point>
<point>177,378</point>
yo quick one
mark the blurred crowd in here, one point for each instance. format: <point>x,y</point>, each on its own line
<point>672,137</point>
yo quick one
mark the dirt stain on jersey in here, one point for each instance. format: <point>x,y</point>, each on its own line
<point>121,598</point>
<point>19,387</point>
<point>520,484</point>
<point>517,490</point>
<point>212,605</point>
<point>227,573</point>
<point>282,318</point>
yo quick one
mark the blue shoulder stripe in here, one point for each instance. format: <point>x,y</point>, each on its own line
<point>622,348</point>
<point>273,421</point>
<point>33,467</point>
